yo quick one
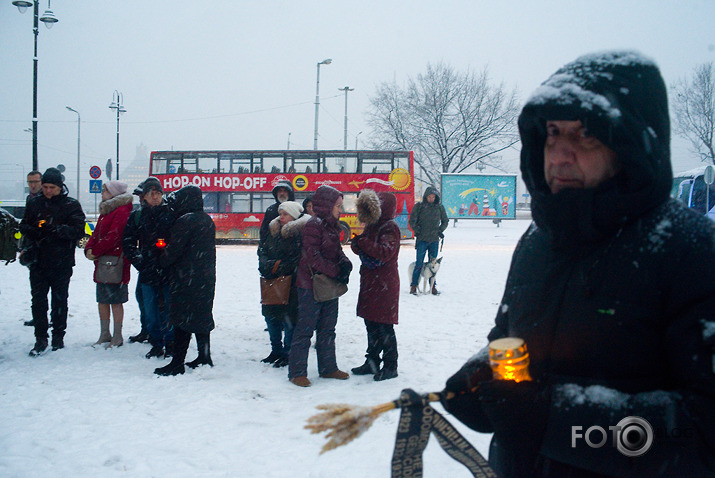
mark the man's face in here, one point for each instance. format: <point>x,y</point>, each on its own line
<point>34,183</point>
<point>51,190</point>
<point>282,194</point>
<point>338,208</point>
<point>574,158</point>
<point>430,198</point>
<point>153,197</point>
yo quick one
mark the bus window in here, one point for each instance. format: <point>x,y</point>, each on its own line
<point>210,202</point>
<point>190,164</point>
<point>273,163</point>
<point>158,166</point>
<point>208,163</point>
<point>240,202</point>
<point>402,162</point>
<point>376,163</point>
<point>333,163</point>
<point>231,162</point>
<point>174,164</point>
<point>261,201</point>
<point>305,162</point>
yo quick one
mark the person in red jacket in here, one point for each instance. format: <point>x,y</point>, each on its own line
<point>378,247</point>
<point>106,240</point>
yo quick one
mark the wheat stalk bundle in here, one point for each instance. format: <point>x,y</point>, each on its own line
<point>344,422</point>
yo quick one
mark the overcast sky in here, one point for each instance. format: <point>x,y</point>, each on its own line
<point>242,74</point>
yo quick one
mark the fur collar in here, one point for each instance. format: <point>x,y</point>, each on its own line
<point>368,207</point>
<point>105,207</point>
<point>293,228</point>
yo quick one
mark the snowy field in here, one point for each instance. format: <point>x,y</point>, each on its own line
<point>86,412</point>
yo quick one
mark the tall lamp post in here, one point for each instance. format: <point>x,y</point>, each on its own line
<point>117,104</point>
<point>49,19</point>
<point>327,61</point>
<point>345,136</point>
<point>356,140</point>
<point>78,129</point>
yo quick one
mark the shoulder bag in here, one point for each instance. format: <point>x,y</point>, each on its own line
<point>275,291</point>
<point>110,269</point>
<point>326,288</point>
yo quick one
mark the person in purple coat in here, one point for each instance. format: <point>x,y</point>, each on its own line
<point>321,254</point>
<point>378,248</point>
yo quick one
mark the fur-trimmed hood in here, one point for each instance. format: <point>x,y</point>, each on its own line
<point>105,207</point>
<point>292,229</point>
<point>368,207</point>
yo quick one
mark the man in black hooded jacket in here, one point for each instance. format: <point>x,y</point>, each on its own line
<point>612,288</point>
<point>52,225</point>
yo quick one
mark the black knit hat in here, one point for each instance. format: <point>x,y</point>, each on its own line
<point>52,176</point>
<point>139,190</point>
<point>151,184</point>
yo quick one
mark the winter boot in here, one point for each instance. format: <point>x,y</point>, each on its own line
<point>156,351</point>
<point>281,362</point>
<point>434,290</point>
<point>272,357</point>
<point>413,289</point>
<point>203,344</point>
<point>141,337</point>
<point>169,350</point>
<point>338,375</point>
<point>175,367</point>
<point>370,367</point>
<point>104,335</point>
<point>117,339</point>
<point>39,348</point>
<point>57,342</point>
<point>385,374</point>
<point>300,381</point>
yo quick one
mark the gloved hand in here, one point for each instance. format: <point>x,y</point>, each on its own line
<point>464,384</point>
<point>46,229</point>
<point>441,235</point>
<point>518,412</point>
<point>344,274</point>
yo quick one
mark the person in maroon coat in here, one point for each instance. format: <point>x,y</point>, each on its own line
<point>378,248</point>
<point>321,254</point>
<point>106,240</point>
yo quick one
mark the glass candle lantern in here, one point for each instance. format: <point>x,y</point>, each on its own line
<point>509,359</point>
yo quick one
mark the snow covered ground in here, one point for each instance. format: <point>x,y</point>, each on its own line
<point>93,412</point>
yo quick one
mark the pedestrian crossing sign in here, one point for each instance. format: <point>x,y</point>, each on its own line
<point>95,186</point>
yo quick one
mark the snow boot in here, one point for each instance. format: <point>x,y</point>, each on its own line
<point>338,375</point>
<point>281,362</point>
<point>175,367</point>
<point>385,374</point>
<point>413,289</point>
<point>57,342</point>
<point>203,344</point>
<point>169,350</point>
<point>104,335</point>
<point>370,367</point>
<point>141,337</point>
<point>434,290</point>
<point>156,351</point>
<point>39,348</point>
<point>300,381</point>
<point>117,339</point>
<point>272,357</point>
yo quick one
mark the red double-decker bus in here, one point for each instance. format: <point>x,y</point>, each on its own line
<point>237,185</point>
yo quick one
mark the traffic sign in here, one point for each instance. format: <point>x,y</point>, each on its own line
<point>709,175</point>
<point>95,172</point>
<point>95,186</point>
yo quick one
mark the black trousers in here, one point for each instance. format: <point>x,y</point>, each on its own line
<point>381,338</point>
<point>56,281</point>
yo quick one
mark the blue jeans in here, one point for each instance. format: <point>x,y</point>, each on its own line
<point>432,248</point>
<point>277,322</point>
<point>157,318</point>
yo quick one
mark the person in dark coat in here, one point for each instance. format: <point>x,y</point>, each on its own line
<point>142,244</point>
<point>378,301</point>
<point>612,288</point>
<point>428,220</point>
<point>190,260</point>
<point>106,240</point>
<point>134,219</point>
<point>51,226</point>
<point>278,256</point>
<point>321,254</point>
<point>282,192</point>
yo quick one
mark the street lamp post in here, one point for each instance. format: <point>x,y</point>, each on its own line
<point>49,19</point>
<point>327,61</point>
<point>356,140</point>
<point>117,104</point>
<point>78,130</point>
<point>345,136</point>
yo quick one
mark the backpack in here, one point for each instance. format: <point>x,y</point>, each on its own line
<point>8,242</point>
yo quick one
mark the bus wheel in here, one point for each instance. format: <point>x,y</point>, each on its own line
<point>83,241</point>
<point>345,234</point>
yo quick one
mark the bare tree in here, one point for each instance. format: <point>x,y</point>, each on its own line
<point>452,121</point>
<point>694,110</point>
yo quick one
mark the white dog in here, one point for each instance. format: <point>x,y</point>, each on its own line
<point>428,274</point>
